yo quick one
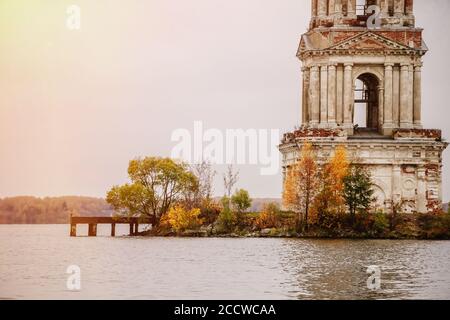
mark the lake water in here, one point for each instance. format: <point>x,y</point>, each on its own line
<point>34,260</point>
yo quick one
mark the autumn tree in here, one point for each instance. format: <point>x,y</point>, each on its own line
<point>230,179</point>
<point>241,202</point>
<point>301,184</point>
<point>182,219</point>
<point>330,202</point>
<point>227,219</point>
<point>291,192</point>
<point>205,175</point>
<point>358,192</point>
<point>156,185</point>
<point>269,216</point>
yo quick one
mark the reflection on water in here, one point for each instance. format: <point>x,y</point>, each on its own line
<point>337,269</point>
<point>34,259</point>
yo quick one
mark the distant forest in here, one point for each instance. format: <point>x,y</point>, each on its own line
<point>31,210</point>
<point>57,210</point>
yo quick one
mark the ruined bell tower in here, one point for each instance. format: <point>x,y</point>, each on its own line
<point>361,71</point>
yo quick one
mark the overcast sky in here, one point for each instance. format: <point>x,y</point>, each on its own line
<point>76,106</point>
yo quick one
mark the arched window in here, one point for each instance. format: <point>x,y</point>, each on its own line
<point>365,112</point>
<point>360,111</point>
<point>361,6</point>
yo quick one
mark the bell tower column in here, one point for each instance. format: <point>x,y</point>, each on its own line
<point>384,8</point>
<point>351,9</point>
<point>322,8</point>
<point>332,72</point>
<point>314,98</point>
<point>331,7</point>
<point>324,96</point>
<point>314,9</point>
<point>348,97</point>
<point>406,114</point>
<point>305,97</point>
<point>409,12</point>
<point>338,9</point>
<point>380,107</point>
<point>409,8</point>
<point>388,98</point>
<point>313,14</point>
<point>399,8</point>
<point>418,96</point>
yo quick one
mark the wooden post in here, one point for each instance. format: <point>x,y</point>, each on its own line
<point>73,230</point>
<point>93,223</point>
<point>92,230</point>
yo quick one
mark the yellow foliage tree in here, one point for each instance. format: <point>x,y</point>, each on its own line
<point>269,216</point>
<point>301,184</point>
<point>330,202</point>
<point>181,219</point>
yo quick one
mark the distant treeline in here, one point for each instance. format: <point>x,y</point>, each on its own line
<point>258,204</point>
<point>31,210</point>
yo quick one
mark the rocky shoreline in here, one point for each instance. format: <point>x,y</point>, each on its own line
<point>289,234</point>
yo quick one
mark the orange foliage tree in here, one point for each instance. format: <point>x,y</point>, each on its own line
<point>300,187</point>
<point>181,219</point>
<point>329,203</point>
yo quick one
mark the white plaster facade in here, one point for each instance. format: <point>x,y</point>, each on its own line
<point>339,50</point>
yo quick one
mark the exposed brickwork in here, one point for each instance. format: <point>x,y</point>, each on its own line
<point>418,134</point>
<point>344,35</point>
<point>345,16</point>
<point>434,207</point>
<point>431,169</point>
<point>312,133</point>
<point>407,169</point>
<point>402,37</point>
<point>409,5</point>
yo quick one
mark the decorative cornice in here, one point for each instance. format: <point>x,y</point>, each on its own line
<point>387,47</point>
<point>390,44</point>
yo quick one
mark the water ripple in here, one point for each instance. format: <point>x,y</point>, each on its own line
<point>34,260</point>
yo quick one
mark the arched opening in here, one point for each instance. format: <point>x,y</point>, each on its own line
<point>379,197</point>
<point>365,112</point>
<point>361,6</point>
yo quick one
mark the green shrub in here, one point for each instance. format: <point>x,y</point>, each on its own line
<point>226,221</point>
<point>380,223</point>
<point>434,226</point>
<point>241,201</point>
<point>210,211</point>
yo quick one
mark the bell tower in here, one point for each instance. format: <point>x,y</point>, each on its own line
<point>362,84</point>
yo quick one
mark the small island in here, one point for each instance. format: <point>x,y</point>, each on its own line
<point>331,200</point>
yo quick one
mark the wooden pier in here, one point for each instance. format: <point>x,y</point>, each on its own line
<point>92,222</point>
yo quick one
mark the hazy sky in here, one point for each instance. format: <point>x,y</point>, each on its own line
<point>76,106</point>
